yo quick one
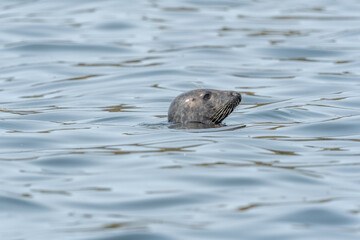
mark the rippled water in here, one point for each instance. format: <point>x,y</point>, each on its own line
<point>86,152</point>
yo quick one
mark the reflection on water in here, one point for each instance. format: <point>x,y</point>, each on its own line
<point>86,151</point>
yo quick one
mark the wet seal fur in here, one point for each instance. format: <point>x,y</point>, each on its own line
<point>207,107</point>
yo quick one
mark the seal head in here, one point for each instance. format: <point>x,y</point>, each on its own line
<point>206,106</point>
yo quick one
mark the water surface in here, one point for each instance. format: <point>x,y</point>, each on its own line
<point>86,152</point>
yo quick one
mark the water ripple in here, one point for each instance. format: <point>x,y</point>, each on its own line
<point>86,150</point>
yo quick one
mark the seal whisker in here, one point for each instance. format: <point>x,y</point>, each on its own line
<point>219,114</point>
<point>224,111</point>
<point>222,114</point>
<point>227,112</point>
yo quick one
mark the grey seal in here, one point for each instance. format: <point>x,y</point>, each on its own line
<point>203,106</point>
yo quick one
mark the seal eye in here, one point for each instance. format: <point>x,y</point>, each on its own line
<point>206,96</point>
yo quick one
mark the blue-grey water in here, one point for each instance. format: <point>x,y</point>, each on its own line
<point>86,152</point>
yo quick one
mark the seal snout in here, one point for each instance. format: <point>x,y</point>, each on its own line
<point>236,95</point>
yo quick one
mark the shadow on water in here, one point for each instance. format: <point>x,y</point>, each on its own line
<point>193,127</point>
